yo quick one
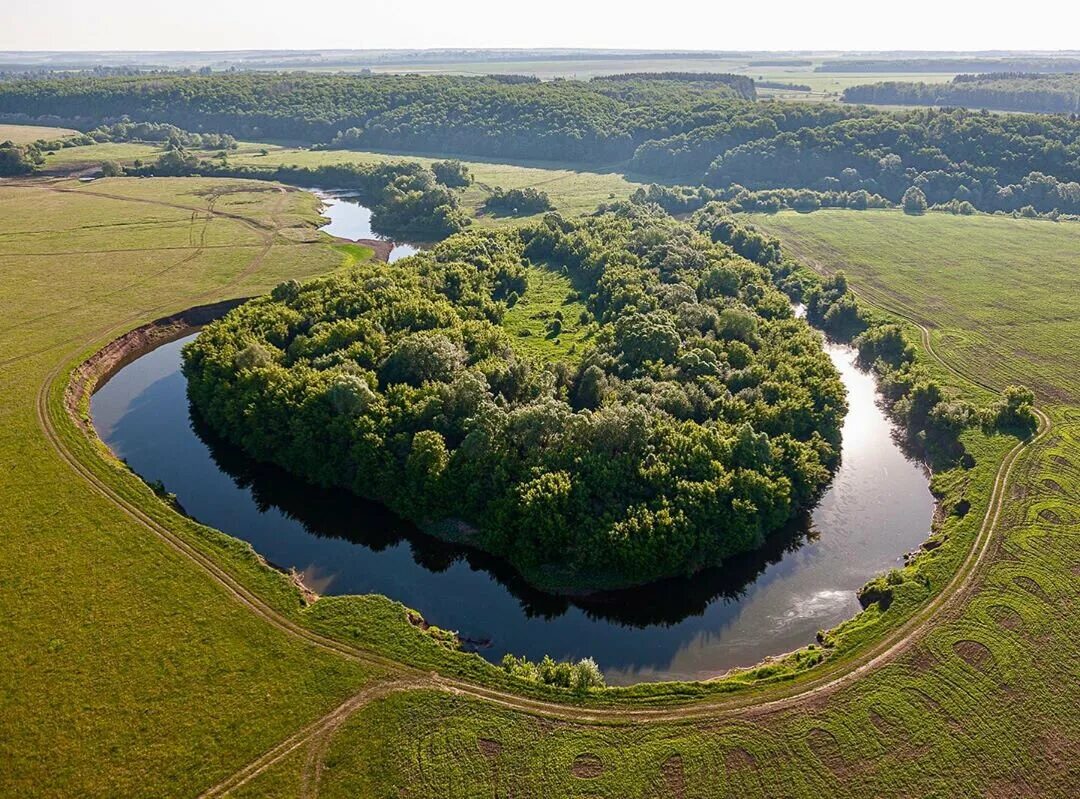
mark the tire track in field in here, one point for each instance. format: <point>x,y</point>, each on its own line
<point>316,732</point>
<point>251,268</point>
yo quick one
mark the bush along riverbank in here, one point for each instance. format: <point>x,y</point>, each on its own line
<point>702,416</point>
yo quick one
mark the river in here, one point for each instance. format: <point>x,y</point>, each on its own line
<point>877,508</point>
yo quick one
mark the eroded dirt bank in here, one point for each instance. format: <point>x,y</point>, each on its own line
<point>118,353</point>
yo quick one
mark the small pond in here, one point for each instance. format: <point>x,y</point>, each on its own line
<point>878,507</point>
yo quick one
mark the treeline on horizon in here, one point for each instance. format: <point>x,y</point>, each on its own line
<point>1005,91</point>
<point>688,128</point>
<point>950,65</point>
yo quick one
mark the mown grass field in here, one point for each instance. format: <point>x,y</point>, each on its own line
<point>999,294</point>
<point>130,672</point>
<point>25,134</point>
<point>125,672</point>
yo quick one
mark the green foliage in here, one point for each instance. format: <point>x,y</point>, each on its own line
<point>517,202</point>
<point>1006,91</point>
<point>452,173</point>
<point>581,677</point>
<point>14,160</point>
<point>913,201</point>
<point>697,421</point>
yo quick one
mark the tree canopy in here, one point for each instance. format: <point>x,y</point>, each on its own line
<point>701,418</point>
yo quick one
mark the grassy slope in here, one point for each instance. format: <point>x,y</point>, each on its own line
<point>985,705</point>
<point>572,191</point>
<point>166,635</point>
<point>125,673</point>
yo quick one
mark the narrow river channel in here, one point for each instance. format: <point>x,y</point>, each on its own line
<point>878,507</point>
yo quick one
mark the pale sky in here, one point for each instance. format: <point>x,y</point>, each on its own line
<point>660,24</point>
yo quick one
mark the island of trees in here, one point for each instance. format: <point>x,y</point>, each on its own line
<point>702,416</point>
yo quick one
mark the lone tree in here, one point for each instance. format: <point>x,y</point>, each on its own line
<point>914,201</point>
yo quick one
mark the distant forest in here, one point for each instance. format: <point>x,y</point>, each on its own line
<point>1008,91</point>
<point>696,129</point>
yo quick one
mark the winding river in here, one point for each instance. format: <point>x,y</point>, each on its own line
<point>878,508</point>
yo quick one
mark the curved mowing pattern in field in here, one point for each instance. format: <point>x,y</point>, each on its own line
<point>999,294</point>
<point>983,706</point>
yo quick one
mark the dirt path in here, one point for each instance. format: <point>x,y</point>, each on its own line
<point>713,707</point>
<point>317,732</point>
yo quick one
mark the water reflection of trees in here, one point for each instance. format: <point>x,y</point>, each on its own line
<point>335,513</point>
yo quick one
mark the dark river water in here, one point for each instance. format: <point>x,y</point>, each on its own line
<point>878,507</point>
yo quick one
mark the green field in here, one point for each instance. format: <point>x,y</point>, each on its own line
<point>999,294</point>
<point>148,656</point>
<point>528,320</point>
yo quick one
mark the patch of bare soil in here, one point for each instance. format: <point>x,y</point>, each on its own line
<point>975,655</point>
<point>587,766</point>
<point>1053,485</point>
<point>738,758</point>
<point>922,659</point>
<point>1032,587</point>
<point>826,748</point>
<point>489,748</point>
<point>674,777</point>
<point>1006,617</point>
<point>1048,515</point>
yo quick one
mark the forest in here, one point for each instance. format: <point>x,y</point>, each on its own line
<point>702,416</point>
<point>1010,91</point>
<point>691,128</point>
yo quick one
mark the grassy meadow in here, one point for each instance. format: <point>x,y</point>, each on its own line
<point>572,191</point>
<point>998,294</point>
<point>130,672</point>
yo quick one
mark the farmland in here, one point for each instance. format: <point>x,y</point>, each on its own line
<point>138,670</point>
<point>997,293</point>
<point>24,134</point>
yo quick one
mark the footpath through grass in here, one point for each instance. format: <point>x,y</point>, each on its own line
<point>125,671</point>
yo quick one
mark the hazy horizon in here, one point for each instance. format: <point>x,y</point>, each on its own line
<point>126,25</point>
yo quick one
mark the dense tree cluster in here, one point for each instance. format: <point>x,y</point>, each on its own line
<point>14,160</point>
<point>702,417</point>
<point>593,121</point>
<point>517,202</point>
<point>931,419</point>
<point>690,128</point>
<point>452,173</point>
<point>995,162</point>
<point>684,199</point>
